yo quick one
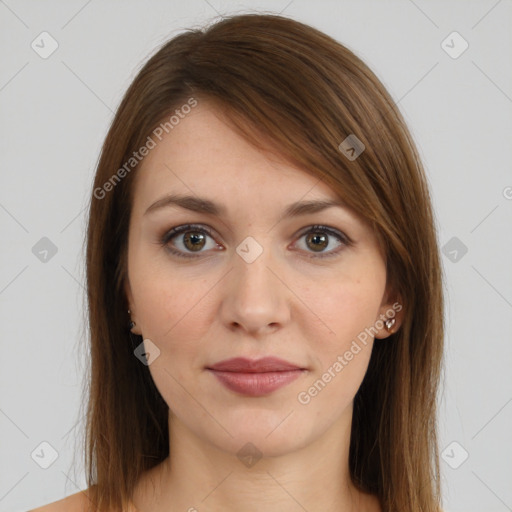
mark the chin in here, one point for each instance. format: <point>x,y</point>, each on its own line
<point>266,432</point>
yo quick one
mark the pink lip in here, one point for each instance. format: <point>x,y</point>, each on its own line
<point>244,365</point>
<point>255,377</point>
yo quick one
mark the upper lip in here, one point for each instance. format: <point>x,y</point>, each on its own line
<point>263,365</point>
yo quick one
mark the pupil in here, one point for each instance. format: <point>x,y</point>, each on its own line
<point>318,238</point>
<point>193,239</point>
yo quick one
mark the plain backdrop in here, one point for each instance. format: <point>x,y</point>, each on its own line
<point>55,111</point>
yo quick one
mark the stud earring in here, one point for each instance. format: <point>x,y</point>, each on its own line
<point>132,323</point>
<point>390,323</point>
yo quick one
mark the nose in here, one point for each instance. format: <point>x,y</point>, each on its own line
<point>255,299</point>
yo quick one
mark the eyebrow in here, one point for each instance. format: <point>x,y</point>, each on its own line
<point>204,205</point>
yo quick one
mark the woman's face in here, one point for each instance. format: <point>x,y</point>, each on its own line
<point>252,278</point>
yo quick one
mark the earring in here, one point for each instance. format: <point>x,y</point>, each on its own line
<point>132,323</point>
<point>390,323</point>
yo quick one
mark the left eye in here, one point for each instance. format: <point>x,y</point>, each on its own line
<point>319,238</point>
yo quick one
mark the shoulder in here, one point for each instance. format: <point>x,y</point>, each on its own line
<point>74,503</point>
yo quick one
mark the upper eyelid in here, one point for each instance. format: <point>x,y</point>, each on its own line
<point>331,231</point>
<point>179,230</point>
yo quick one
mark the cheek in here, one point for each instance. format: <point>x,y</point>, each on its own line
<point>176,320</point>
<point>166,295</point>
<point>341,357</point>
<point>347,307</point>
<point>174,311</point>
<point>347,304</point>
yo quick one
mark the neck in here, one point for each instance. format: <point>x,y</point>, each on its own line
<point>198,476</point>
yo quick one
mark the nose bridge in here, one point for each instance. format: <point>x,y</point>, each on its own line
<point>251,265</point>
<point>256,298</point>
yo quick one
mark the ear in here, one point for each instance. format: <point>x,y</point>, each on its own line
<point>390,317</point>
<point>132,312</point>
<point>128,293</point>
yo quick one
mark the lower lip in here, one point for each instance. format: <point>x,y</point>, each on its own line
<point>256,384</point>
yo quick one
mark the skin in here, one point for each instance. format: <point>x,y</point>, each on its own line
<point>285,303</point>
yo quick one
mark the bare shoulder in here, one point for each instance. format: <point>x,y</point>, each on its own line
<point>74,503</point>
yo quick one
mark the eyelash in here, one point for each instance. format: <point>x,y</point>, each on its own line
<point>317,228</point>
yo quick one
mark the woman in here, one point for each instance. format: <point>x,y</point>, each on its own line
<point>264,285</point>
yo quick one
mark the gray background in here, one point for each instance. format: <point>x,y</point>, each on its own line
<point>55,113</point>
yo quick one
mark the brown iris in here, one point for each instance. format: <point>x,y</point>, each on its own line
<point>316,239</point>
<point>194,240</point>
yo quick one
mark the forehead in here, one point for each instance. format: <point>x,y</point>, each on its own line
<point>204,155</point>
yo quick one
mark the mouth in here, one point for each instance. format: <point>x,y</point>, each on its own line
<point>255,377</point>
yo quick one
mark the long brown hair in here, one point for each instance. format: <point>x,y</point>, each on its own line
<point>288,86</point>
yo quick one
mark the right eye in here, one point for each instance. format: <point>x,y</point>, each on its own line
<point>184,241</point>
